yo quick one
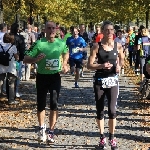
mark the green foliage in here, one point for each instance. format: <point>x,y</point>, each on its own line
<point>69,12</point>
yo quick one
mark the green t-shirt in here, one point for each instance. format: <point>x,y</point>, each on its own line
<point>131,39</point>
<point>66,36</point>
<point>51,64</point>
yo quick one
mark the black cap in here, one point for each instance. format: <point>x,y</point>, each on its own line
<point>71,28</point>
<point>2,25</point>
<point>141,27</point>
<point>14,28</point>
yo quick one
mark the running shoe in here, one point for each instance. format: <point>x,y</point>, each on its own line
<point>76,85</point>
<point>50,137</point>
<point>102,143</point>
<point>42,134</point>
<point>113,144</point>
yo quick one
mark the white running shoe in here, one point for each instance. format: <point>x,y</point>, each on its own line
<point>42,134</point>
<point>50,137</point>
<point>81,74</point>
<point>18,95</point>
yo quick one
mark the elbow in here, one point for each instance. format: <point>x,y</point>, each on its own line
<point>88,66</point>
<point>24,60</point>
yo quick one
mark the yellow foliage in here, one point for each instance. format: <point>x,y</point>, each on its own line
<point>69,12</point>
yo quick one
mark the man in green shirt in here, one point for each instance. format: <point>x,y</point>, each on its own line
<point>47,53</point>
<point>68,33</point>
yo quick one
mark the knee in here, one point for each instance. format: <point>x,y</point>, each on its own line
<point>112,115</point>
<point>40,107</point>
<point>100,115</point>
<point>53,103</point>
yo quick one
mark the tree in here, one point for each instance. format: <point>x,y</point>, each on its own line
<point>71,12</point>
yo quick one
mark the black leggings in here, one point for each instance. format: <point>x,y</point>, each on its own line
<point>111,94</point>
<point>45,83</point>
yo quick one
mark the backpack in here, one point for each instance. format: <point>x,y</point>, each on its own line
<point>4,56</point>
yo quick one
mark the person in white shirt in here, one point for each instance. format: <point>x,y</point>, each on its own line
<point>122,40</point>
<point>9,71</point>
<point>3,30</point>
<point>91,34</point>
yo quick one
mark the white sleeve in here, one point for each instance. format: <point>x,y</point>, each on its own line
<point>14,48</point>
<point>89,36</point>
<point>115,40</point>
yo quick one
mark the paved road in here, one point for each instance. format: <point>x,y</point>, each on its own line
<point>76,127</point>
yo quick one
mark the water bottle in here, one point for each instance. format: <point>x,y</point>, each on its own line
<point>23,71</point>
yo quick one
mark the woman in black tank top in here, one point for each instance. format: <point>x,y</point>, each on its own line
<point>110,58</point>
<point>104,56</point>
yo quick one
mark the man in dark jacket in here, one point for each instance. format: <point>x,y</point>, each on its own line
<point>19,40</point>
<point>137,62</point>
<point>20,44</point>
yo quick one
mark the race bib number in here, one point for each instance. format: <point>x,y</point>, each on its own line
<point>52,64</point>
<point>75,50</point>
<point>109,82</point>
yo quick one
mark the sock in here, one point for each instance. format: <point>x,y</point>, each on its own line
<point>43,126</point>
<point>102,136</point>
<point>111,136</point>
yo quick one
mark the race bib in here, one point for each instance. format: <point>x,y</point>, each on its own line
<point>52,64</point>
<point>75,50</point>
<point>109,82</point>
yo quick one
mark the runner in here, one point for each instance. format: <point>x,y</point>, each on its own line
<point>46,53</point>
<point>76,46</point>
<point>144,50</point>
<point>98,35</point>
<point>137,37</point>
<point>130,41</point>
<point>84,35</point>
<point>90,36</point>
<point>67,34</point>
<point>122,40</point>
<point>110,59</point>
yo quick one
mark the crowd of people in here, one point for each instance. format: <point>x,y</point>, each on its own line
<point>55,48</point>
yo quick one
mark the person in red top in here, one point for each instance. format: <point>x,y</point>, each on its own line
<point>98,35</point>
<point>114,36</point>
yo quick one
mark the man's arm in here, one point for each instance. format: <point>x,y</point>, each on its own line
<point>65,57</point>
<point>32,55</point>
<point>91,59</point>
<point>30,60</point>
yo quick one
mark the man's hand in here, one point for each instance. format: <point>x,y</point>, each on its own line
<point>148,68</point>
<point>65,69</point>
<point>80,49</point>
<point>118,69</point>
<point>40,57</point>
<point>107,65</point>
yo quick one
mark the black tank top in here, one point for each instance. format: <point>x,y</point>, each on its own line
<point>104,56</point>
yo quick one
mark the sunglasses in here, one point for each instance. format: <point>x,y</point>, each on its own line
<point>51,27</point>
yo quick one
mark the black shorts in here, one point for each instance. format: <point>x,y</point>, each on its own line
<point>47,83</point>
<point>76,63</point>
